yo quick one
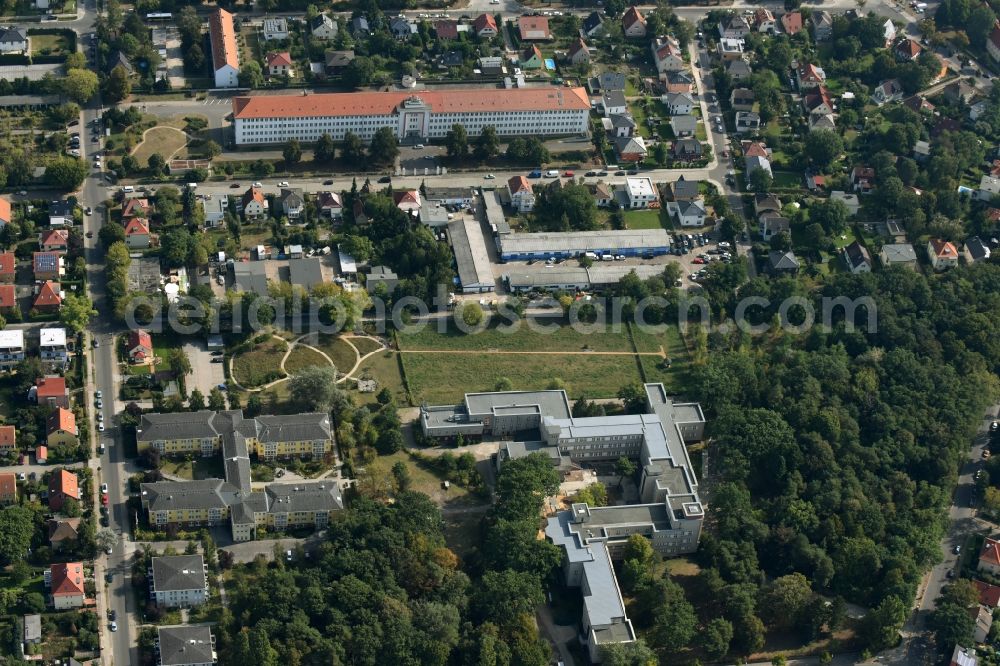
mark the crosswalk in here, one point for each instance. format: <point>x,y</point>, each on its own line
<point>216,100</point>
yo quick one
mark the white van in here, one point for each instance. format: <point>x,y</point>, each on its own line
<point>590,255</point>
<point>607,257</point>
<point>128,189</point>
<point>551,173</point>
<point>192,186</point>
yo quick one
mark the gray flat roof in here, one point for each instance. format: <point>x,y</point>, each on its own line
<point>494,212</point>
<point>470,252</point>
<point>178,572</point>
<point>628,514</point>
<point>598,275</point>
<point>583,241</point>
<point>185,644</point>
<point>551,403</point>
<point>250,276</point>
<point>306,272</point>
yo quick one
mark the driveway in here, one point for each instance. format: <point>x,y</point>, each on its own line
<point>205,375</point>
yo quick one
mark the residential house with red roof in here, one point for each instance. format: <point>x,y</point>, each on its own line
<point>279,64</point>
<point>818,101</point>
<point>810,76</point>
<point>140,347</point>
<point>907,49</point>
<point>485,26</point>
<point>8,267</point>
<point>579,52</point>
<point>48,266</point>
<point>448,28</point>
<point>54,240</point>
<point>8,440</point>
<point>522,196</point>
<point>791,22</point>
<point>254,204</point>
<point>5,211</point>
<point>407,200</point>
<point>137,234</point>
<point>136,207</point>
<point>633,23</point>
<point>989,595</point>
<point>61,428</point>
<point>41,454</point>
<point>667,55</point>
<point>863,179</point>
<point>989,557</point>
<point>63,532</point>
<point>49,297</point>
<point>63,485</point>
<point>943,255</point>
<point>533,28</point>
<point>330,205</point>
<point>763,20</point>
<point>8,488</point>
<point>225,51</point>
<point>50,391</point>
<point>66,581</point>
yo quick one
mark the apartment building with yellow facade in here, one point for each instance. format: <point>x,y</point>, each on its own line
<point>280,506</point>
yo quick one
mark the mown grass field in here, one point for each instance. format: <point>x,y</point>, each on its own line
<point>364,345</point>
<point>445,378</point>
<point>383,368</point>
<point>654,368</point>
<point>303,357</point>
<point>163,140</point>
<point>341,353</point>
<point>554,337</point>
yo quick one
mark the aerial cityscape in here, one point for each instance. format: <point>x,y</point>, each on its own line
<point>499,333</point>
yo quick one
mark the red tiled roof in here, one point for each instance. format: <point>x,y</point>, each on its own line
<point>8,484</point>
<point>631,17</point>
<point>810,73</point>
<point>62,420</point>
<point>253,194</point>
<point>908,49</point>
<point>526,24</point>
<point>135,207</point>
<point>448,29</point>
<point>278,59</point>
<point>578,45</point>
<point>4,209</point>
<point>385,103</point>
<point>48,294</point>
<point>8,296</point>
<point>140,338</point>
<point>989,595</point>
<point>945,250</point>
<point>65,482</point>
<point>518,184</point>
<point>8,436</point>
<point>41,452</point>
<point>67,579</point>
<point>136,226</point>
<point>224,50</point>
<point>51,387</point>
<point>484,21</point>
<point>406,197</point>
<point>55,237</point>
<point>755,149</point>
<point>7,263</point>
<point>791,22</point>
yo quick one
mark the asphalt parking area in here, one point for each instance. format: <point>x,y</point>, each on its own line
<point>205,375</point>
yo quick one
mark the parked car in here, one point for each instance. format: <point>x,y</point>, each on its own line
<point>234,186</point>
<point>283,183</point>
<point>385,179</point>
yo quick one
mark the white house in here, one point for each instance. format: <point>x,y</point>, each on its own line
<point>688,213</point>
<point>678,104</point>
<point>667,55</point>
<point>323,27</point>
<point>178,581</point>
<point>943,255</point>
<point>857,258</point>
<point>13,40</point>
<point>640,192</point>
<point>215,207</point>
<point>522,197</point>
<point>225,52</point>
<point>275,29</point>
<point>989,187</point>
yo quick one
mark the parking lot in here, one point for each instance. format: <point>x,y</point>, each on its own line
<point>205,375</point>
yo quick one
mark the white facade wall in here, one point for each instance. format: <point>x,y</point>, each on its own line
<point>227,76</point>
<point>420,123</point>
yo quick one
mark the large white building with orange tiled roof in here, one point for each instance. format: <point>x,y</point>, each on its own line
<point>225,52</point>
<point>414,115</point>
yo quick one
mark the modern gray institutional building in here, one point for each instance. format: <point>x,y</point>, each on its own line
<point>670,514</point>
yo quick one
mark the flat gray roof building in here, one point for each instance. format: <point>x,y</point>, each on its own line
<point>250,276</point>
<point>185,645</point>
<point>493,208</point>
<point>32,628</point>
<point>630,242</point>
<point>178,572</point>
<point>599,276</point>
<point>306,273</point>
<point>471,255</point>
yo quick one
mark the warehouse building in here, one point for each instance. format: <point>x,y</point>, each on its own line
<point>493,209</point>
<point>474,271</point>
<point>412,115</point>
<point>569,244</point>
<point>573,278</point>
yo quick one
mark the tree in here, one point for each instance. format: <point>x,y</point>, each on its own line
<point>504,596</point>
<point>503,384</point>
<point>251,75</point>
<point>17,525</point>
<point>217,401</point>
<point>784,599</point>
<point>254,407</point>
<point>384,148</point>
<point>315,388</point>
<point>80,85</point>
<point>292,152</point>
<point>624,468</point>
<point>261,653</point>
<point>457,142</point>
<point>831,214</point>
<point>117,86</point>
<point>661,154</point>
<point>633,396</point>
<point>634,653</point>
<point>196,401</point>
<point>715,637</point>
<point>194,59</point>
<point>401,474</point>
<point>212,150</point>
<point>594,494</point>
<point>472,313</point>
<point>106,539</point>
<point>822,147</point>
<point>761,181</point>
<point>176,246</point>
<point>880,627</point>
<point>352,150</point>
<point>389,442</point>
<point>66,173</point>
<point>325,149</point>
<point>487,143</point>
<point>674,620</point>
<point>76,312</point>
<point>359,72</point>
